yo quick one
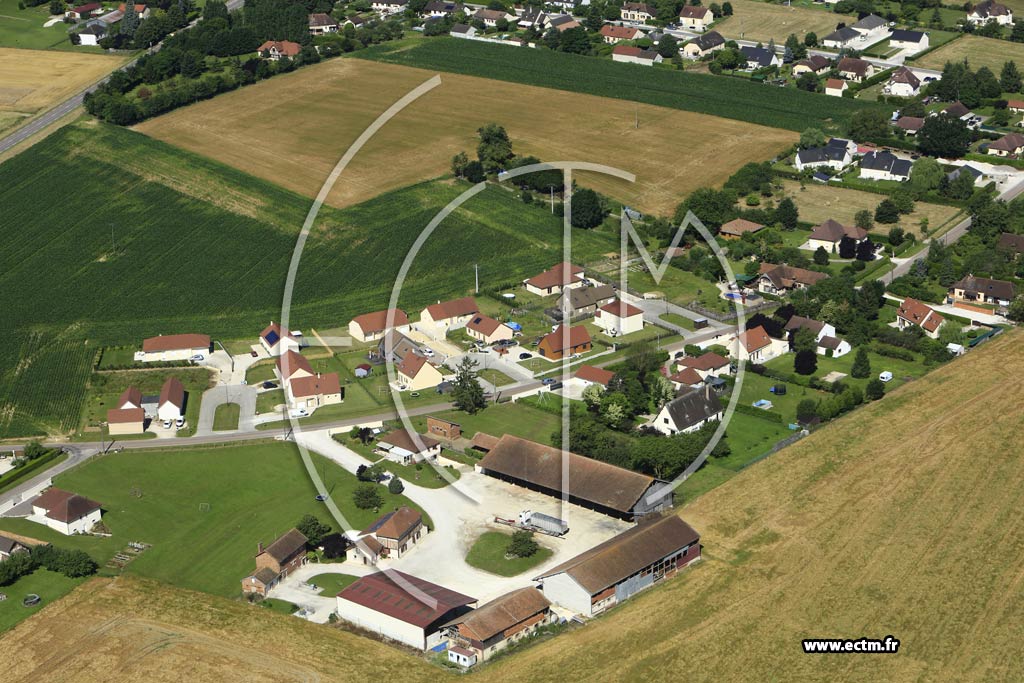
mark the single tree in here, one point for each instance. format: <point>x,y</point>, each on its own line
<point>806,410</point>
<point>925,175</point>
<point>805,362</point>
<point>367,497</point>
<point>459,163</point>
<point>474,172</point>
<point>861,364</point>
<point>811,39</point>
<point>874,389</point>
<point>807,81</point>
<point>896,235</point>
<point>521,544</point>
<point>313,529</point>
<point>887,211</point>
<point>863,220</point>
<point>847,247</point>
<point>812,137</point>
<point>821,256</point>
<point>395,486</point>
<point>587,209</point>
<point>1009,77</point>
<point>467,392</point>
<point>786,214</point>
<point>943,136</point>
<point>866,251</point>
<point>494,149</point>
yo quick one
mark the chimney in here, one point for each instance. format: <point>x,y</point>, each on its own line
<point>259,547</point>
<point>707,391</point>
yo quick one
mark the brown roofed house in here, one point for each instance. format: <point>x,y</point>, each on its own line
<point>449,315</point>
<point>372,326</point>
<point>973,289</point>
<point>917,313</point>
<point>552,280</point>
<point>589,374</point>
<point>613,34</point>
<point>559,343</point>
<point>854,69</point>
<point>487,329</point>
<point>279,49</point>
<point>171,404</point>
<point>738,227</point>
<point>174,347</point>
<point>397,531</point>
<point>293,364</point>
<point>65,512</point>
<point>830,233</point>
<point>415,373</point>
<point>273,563</point>
<point>313,391</point>
<point>1011,243</point>
<point>501,622</point>
<point>405,447</point>
<point>1010,145</point>
<point>779,279</point>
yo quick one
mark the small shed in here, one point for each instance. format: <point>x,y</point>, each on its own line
<point>363,370</point>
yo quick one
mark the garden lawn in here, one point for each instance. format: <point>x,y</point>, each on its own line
<point>902,371</point>
<point>106,387</point>
<point>225,418</point>
<point>519,419</point>
<point>50,586</point>
<point>256,491</point>
<point>488,554</point>
<point>332,584</point>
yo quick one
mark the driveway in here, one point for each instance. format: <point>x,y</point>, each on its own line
<point>244,396</point>
<point>655,308</point>
<point>464,510</point>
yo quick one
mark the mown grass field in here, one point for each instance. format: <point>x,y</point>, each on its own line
<point>977,51</point>
<point>113,237</point>
<point>24,28</point>
<point>762,21</point>
<point>488,553</point>
<point>817,203</point>
<point>904,518</point>
<point>790,109</point>
<point>345,95</point>
<point>33,80</point>
<point>255,491</point>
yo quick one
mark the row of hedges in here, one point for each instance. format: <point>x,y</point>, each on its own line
<point>12,477</point>
<point>768,415</point>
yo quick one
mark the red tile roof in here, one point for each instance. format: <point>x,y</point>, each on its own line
<point>483,324</point>
<point>172,392</point>
<point>290,362</point>
<point>589,373</point>
<point>557,276</point>
<point>176,342</point>
<point>371,323</point>
<point>404,597</point>
<point>399,523</point>
<point>705,362</point>
<point>285,47</point>
<point>65,506</point>
<point>578,336</point>
<point>739,226</point>
<point>125,415</point>
<point>920,314</point>
<point>404,440</point>
<point>619,32</point>
<point>687,376</point>
<point>411,364</point>
<point>453,309</point>
<point>621,309</point>
<point>131,396</point>
<point>316,385</point>
<point>276,329</point>
<point>754,339</point>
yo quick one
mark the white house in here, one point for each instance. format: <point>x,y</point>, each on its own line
<point>619,318</point>
<point>830,233</point>
<point>276,341</point>
<point>755,346</point>
<point>373,326</point>
<point>92,34</point>
<point>65,512</point>
<point>837,155</point>
<point>415,373</point>
<point>491,17</point>
<point>854,69</point>
<point>990,11</point>
<point>638,12</point>
<point>871,28</point>
<point>171,404</point>
<point>835,87</point>
<point>292,365</point>
<point>401,607</point>
<point>703,45</point>
<point>916,313</point>
<point>695,18</point>
<point>386,7</point>
<point>903,83</point>
<point>688,412</point>
<point>554,279</point>
<point>827,343</point>
<point>635,55</point>
<point>313,391</point>
<point>884,166</point>
<point>841,38</point>
<point>759,57</point>
<point>904,39</point>
<point>174,347</point>
<point>402,447</point>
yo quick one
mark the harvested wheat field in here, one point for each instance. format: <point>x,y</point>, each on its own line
<point>32,80</point>
<point>753,20</point>
<point>905,518</point>
<point>978,52</point>
<point>817,203</point>
<point>292,129</point>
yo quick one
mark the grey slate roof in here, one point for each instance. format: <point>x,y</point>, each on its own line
<point>693,408</point>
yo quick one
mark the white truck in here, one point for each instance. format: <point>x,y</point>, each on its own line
<point>538,521</point>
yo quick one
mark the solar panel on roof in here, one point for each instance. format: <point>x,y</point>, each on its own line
<point>272,337</point>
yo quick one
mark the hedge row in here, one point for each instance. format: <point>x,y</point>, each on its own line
<point>12,477</point>
<point>768,415</point>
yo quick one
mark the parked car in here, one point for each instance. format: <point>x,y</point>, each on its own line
<point>524,355</point>
<point>885,376</point>
<point>548,381</point>
<point>179,423</point>
<point>167,424</point>
<point>254,354</point>
<point>299,412</point>
<point>197,358</point>
<point>269,385</point>
<point>427,352</point>
<point>555,385</point>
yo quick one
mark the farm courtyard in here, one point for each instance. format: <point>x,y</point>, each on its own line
<point>243,129</point>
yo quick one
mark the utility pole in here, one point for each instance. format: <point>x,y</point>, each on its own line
<point>551,188</point>
<point>476,272</point>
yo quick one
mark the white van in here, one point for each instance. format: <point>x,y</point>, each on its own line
<point>885,376</point>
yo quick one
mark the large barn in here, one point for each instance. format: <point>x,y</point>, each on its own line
<point>600,578</point>
<point>591,483</point>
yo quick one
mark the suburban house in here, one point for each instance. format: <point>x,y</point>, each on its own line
<point>497,624</point>
<point>613,571</point>
<point>835,87</point>
<point>1010,145</point>
<point>279,49</point>
<point>10,546</point>
<point>488,330</point>
<point>614,34</point>
<point>1015,106</point>
<point>276,341</point>
<point>828,344</point>
<point>171,404</point>
<point>313,391</point>
<point>584,301</point>
<point>829,234</point>
<point>973,289</point>
<point>688,412</point>
<point>977,176</point>
<point>356,21</point>
<point>703,45</point>
<point>126,419</point>
<point>394,346</point>
<point>436,9</point>
<point>416,374</point>
<point>386,7</point>
<point>275,562</point>
<point>759,57</point>
<point>588,375</point>
<point>86,11</point>
<point>917,313</point>
<point>372,326</point>
<point>463,31</point>
<point>563,22</point>
<point>637,11</point>
<point>560,343</point>
<point>903,39</point>
<point>708,364</point>
<point>635,55</point>
<point>532,17</point>
<point>854,69</point>
<point>990,11</point>
<point>910,124</point>
<point>320,24</point>
<point>402,447</point>
<point>871,28</point>
<point>779,279</point>
<point>65,512</point>
<point>687,378</point>
<point>755,346</point>
<point>593,484</point>
<point>837,154</point>
<point>491,17</point>
<point>443,429</point>
<point>695,17</point>
<point>903,83</point>
<point>292,365</point>
<point>554,279</point>
<point>842,38</point>
<point>1011,243</point>
<point>737,228</point>
<point>92,34</point>
<point>174,347</point>
<point>815,64</point>
<point>449,315</point>
<point>619,318</point>
<point>397,531</point>
<point>402,607</point>
<point>884,166</point>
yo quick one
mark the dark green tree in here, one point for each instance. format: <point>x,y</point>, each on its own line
<point>861,364</point>
<point>786,214</point>
<point>313,529</point>
<point>367,496</point>
<point>887,211</point>
<point>1009,77</point>
<point>805,362</point>
<point>874,389</point>
<point>494,149</point>
<point>395,486</point>
<point>521,544</point>
<point>821,256</point>
<point>811,39</point>
<point>588,211</point>
<point>943,136</point>
<point>467,393</point>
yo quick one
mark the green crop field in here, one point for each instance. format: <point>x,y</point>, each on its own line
<point>112,237</point>
<point>726,97</point>
<point>255,492</point>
